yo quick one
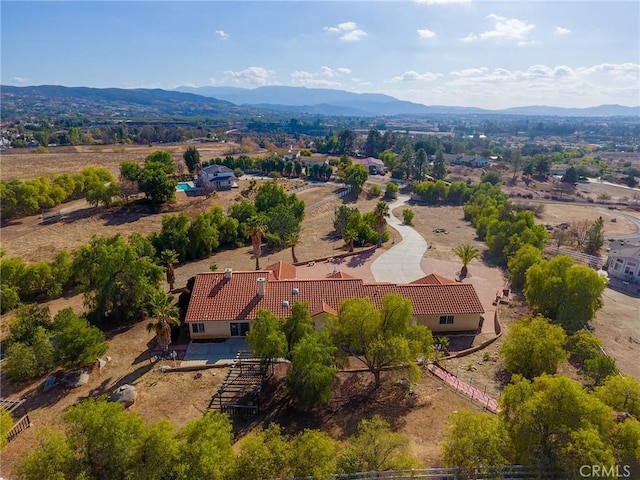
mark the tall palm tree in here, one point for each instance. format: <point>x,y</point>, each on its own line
<point>256,230</point>
<point>380,214</point>
<point>466,253</point>
<point>165,315</point>
<point>293,239</point>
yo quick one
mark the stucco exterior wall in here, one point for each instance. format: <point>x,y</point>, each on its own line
<point>461,323</point>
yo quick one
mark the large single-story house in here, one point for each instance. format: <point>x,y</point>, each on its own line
<point>216,177</point>
<point>374,165</point>
<point>224,304</point>
<point>623,262</point>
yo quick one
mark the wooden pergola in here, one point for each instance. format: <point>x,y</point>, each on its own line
<point>18,411</point>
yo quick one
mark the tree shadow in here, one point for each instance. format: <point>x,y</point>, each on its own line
<point>122,217</point>
<point>360,259</point>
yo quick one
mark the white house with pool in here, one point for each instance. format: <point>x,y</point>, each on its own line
<point>217,177</point>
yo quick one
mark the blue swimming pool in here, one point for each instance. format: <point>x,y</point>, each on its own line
<point>185,186</point>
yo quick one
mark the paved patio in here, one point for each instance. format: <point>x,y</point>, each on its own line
<point>214,353</point>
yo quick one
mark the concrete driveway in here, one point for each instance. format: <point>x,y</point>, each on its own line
<point>401,263</point>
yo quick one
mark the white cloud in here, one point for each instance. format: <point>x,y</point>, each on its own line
<point>222,34</point>
<point>562,31</point>
<point>413,76</point>
<point>426,33</point>
<point>348,31</point>
<point>321,77</point>
<point>504,29</point>
<point>19,80</point>
<point>442,2</point>
<point>251,76</point>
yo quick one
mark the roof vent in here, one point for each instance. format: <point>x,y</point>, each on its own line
<point>285,303</point>
<point>261,286</point>
<point>227,273</point>
<point>295,291</point>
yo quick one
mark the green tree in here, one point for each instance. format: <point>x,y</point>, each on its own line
<point>439,166</point>
<point>6,423</point>
<point>380,215</point>
<point>313,373</point>
<point>375,190</point>
<point>355,175</point>
<point>474,439</point>
<point>256,229</point>
<point>547,421</point>
<point>491,176</point>
<point>117,283</point>
<point>191,159</point>
<point>381,338</point>
<point>297,325</point>
<point>162,160</point>
<point>26,322</point>
<point>391,190</point>
<point>599,368</point>
<point>518,264</point>
<point>104,437</point>
<point>570,176</point>
<point>595,237</point>
<point>53,458</point>
<point>264,454</point>
<point>77,342</point>
<point>567,293</point>
<point>407,216</point>
<point>376,447</point>
<point>621,394</point>
<point>265,338</point>
<point>626,442</point>
<point>583,345</point>
<point>165,315</point>
<point>292,240</point>
<point>156,185</point>
<point>205,448</point>
<point>341,217</point>
<point>281,224</point>
<point>466,253</point>
<point>534,346</point>
<point>314,454</point>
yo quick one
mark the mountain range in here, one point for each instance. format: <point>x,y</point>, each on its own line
<point>242,102</point>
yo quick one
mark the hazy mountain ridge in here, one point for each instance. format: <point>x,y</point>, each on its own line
<point>18,102</point>
<point>318,100</point>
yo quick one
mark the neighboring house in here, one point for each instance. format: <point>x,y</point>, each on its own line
<point>558,170</point>
<point>374,165</point>
<point>224,304</point>
<point>624,262</point>
<point>479,162</point>
<point>290,156</point>
<point>216,177</point>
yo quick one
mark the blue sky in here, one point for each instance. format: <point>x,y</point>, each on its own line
<point>437,52</point>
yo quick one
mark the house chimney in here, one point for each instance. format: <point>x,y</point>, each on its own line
<point>227,273</point>
<point>261,286</point>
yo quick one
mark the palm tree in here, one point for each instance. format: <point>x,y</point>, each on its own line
<point>349,236</point>
<point>466,253</point>
<point>380,215</point>
<point>256,230</point>
<point>292,240</point>
<point>165,315</point>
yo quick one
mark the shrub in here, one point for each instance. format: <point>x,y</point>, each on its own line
<point>407,216</point>
<point>375,190</point>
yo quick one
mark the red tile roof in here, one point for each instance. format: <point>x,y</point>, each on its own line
<point>215,298</point>
<point>340,275</point>
<point>282,270</point>
<point>433,279</point>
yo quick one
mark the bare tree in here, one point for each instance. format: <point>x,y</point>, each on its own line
<point>578,230</point>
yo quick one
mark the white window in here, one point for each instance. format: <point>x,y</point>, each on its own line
<point>446,319</point>
<point>630,268</point>
<point>618,264</point>
<point>239,329</point>
<point>197,327</point>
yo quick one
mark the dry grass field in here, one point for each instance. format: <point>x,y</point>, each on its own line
<point>28,163</point>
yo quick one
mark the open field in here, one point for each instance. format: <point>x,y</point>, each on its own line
<point>28,163</point>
